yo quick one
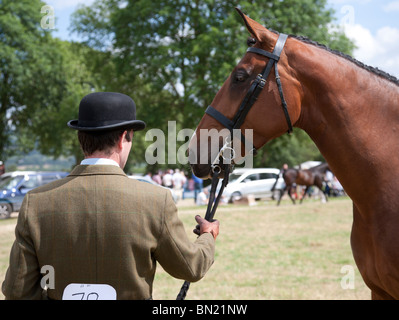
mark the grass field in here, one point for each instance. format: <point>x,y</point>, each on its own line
<point>263,252</point>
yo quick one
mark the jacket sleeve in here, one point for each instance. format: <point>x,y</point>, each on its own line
<point>180,257</point>
<point>23,276</point>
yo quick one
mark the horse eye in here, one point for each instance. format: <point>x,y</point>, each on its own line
<point>241,76</point>
<point>251,42</point>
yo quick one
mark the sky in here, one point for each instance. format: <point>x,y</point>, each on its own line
<point>373,25</point>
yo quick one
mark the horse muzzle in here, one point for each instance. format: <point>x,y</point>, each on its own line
<point>222,162</point>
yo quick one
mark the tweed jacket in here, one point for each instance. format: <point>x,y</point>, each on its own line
<point>97,226</point>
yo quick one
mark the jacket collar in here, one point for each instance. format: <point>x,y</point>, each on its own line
<point>97,161</point>
<point>86,170</point>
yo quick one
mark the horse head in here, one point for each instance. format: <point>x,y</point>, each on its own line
<point>264,120</point>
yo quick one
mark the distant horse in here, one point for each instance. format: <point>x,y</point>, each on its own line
<point>351,112</point>
<point>308,177</point>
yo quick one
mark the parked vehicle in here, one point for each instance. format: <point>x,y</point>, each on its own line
<point>257,182</point>
<point>14,174</point>
<point>14,186</point>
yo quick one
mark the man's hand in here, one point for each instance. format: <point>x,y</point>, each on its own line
<point>206,226</point>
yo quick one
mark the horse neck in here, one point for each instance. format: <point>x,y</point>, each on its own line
<point>321,168</point>
<point>350,114</point>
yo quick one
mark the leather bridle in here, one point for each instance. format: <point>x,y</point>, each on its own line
<point>254,91</point>
<point>221,164</point>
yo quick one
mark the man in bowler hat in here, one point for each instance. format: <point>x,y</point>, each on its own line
<point>97,228</point>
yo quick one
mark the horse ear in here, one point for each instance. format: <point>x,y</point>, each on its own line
<point>258,31</point>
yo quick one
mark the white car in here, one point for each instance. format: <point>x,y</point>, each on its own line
<point>257,182</point>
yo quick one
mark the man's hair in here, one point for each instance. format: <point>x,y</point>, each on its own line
<point>92,141</point>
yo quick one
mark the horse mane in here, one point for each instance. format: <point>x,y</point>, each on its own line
<point>321,167</point>
<point>376,71</point>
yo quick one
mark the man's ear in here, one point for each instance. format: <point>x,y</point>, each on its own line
<point>259,32</point>
<point>122,139</point>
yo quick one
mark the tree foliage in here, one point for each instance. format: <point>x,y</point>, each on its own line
<point>30,68</point>
<point>42,80</point>
<point>176,55</point>
<point>171,57</point>
<point>47,128</point>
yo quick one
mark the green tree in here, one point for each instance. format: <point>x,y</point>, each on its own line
<point>173,56</point>
<point>30,69</point>
<point>49,129</point>
<point>84,70</point>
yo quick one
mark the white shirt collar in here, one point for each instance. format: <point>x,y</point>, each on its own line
<point>99,161</point>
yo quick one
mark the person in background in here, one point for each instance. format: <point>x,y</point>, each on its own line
<point>157,178</point>
<point>167,180</point>
<point>148,176</point>
<point>202,197</point>
<point>178,180</point>
<point>2,168</point>
<point>198,183</point>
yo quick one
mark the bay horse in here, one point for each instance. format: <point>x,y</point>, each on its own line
<point>308,177</point>
<point>350,111</point>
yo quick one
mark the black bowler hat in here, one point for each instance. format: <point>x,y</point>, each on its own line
<point>101,111</point>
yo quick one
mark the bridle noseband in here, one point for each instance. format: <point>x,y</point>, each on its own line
<point>254,91</point>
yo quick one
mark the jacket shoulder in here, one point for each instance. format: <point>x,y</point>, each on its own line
<point>50,186</point>
<point>149,187</point>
